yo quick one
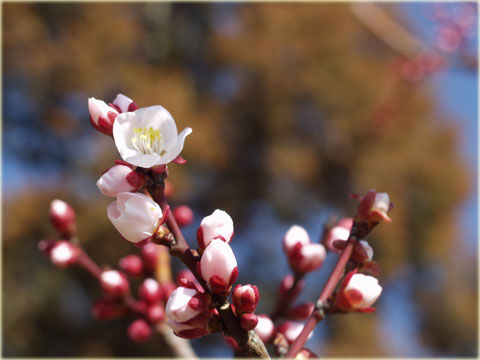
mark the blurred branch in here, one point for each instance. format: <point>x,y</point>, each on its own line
<point>179,347</point>
<point>382,26</point>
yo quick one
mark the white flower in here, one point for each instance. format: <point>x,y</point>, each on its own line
<point>265,328</point>
<point>179,307</point>
<point>135,216</point>
<point>148,137</point>
<point>218,225</point>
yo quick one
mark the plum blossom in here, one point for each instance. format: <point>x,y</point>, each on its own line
<point>148,137</point>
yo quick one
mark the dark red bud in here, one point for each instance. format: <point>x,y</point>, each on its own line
<point>248,321</point>
<point>131,264</point>
<point>149,256</point>
<point>183,215</point>
<point>139,331</point>
<point>156,313</point>
<point>150,291</point>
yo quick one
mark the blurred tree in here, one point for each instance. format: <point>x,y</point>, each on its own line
<point>283,101</point>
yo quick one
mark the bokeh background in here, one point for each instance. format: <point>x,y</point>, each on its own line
<point>294,107</point>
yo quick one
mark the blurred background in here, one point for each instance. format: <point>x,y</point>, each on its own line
<point>294,107</point>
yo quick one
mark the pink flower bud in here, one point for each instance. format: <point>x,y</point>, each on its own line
<point>218,225</point>
<point>341,231</point>
<point>187,313</point>
<point>374,207</point>
<point>306,258</point>
<point>149,254</point>
<point>357,292</point>
<point>139,331</point>
<point>62,217</point>
<point>184,304</point>
<point>291,330</point>
<point>363,251</point>
<point>218,266</point>
<point>131,264</point>
<point>102,116</point>
<point>295,235</point>
<point>300,312</point>
<point>123,104</point>
<point>265,328</point>
<point>156,313</point>
<point>183,215</point>
<point>248,321</point>
<point>135,216</point>
<point>114,283</point>
<point>449,38</point>
<point>107,309</point>
<point>150,291</point>
<point>64,254</point>
<point>245,298</point>
<point>305,354</point>
<point>118,179</point>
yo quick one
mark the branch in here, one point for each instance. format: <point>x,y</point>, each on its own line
<point>386,29</point>
<point>180,348</point>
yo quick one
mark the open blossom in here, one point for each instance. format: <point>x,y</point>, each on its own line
<point>118,179</point>
<point>357,292</point>
<point>148,137</point>
<point>218,266</point>
<point>135,216</point>
<point>218,225</point>
<point>102,116</point>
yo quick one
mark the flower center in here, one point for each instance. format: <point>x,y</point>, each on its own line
<point>148,141</point>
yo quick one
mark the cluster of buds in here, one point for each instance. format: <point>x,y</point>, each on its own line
<point>303,255</point>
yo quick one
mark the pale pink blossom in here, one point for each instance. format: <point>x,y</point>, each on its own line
<point>218,225</point>
<point>265,328</point>
<point>118,179</point>
<point>218,266</point>
<point>135,216</point>
<point>102,116</point>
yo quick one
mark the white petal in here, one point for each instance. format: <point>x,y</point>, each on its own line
<point>177,307</point>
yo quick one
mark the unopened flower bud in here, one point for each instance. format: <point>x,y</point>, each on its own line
<point>131,264</point>
<point>306,354</point>
<point>149,254</point>
<point>306,258</point>
<point>218,266</point>
<point>118,179</point>
<point>64,254</point>
<point>291,330</point>
<point>248,321</point>
<point>295,235</point>
<point>139,331</point>
<point>62,217</point>
<point>187,313</point>
<point>135,216</point>
<point>102,116</point>
<point>265,328</point>
<point>46,246</point>
<point>183,215</point>
<point>374,207</point>
<point>300,312</point>
<point>341,231</point>
<point>123,104</point>
<point>150,291</point>
<point>156,313</point>
<point>218,225</point>
<point>362,252</point>
<point>245,298</point>
<point>114,283</point>
<point>107,309</point>
<point>357,292</point>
